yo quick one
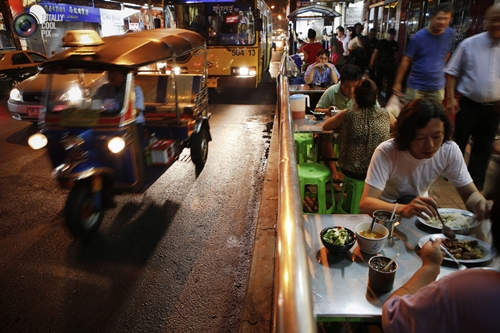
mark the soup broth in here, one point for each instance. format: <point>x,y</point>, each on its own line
<point>372,235</point>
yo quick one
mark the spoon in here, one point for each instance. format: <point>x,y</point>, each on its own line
<point>390,263</point>
<point>373,224</point>
<point>460,266</point>
<point>447,231</point>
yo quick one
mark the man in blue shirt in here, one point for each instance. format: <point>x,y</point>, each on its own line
<point>474,70</point>
<point>427,53</point>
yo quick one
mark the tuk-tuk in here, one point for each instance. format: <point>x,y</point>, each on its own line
<point>118,111</point>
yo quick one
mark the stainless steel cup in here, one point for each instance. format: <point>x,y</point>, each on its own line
<point>384,217</point>
<point>377,278</point>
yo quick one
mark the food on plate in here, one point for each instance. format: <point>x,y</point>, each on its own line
<point>338,236</point>
<point>452,220</point>
<point>465,249</point>
<point>373,235</point>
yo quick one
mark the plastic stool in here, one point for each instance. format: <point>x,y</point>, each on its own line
<point>319,175</point>
<point>350,203</point>
<point>304,143</point>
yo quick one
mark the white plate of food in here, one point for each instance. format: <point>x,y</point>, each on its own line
<point>483,250</point>
<point>457,219</point>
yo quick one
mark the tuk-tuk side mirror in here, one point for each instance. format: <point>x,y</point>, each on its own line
<point>258,24</point>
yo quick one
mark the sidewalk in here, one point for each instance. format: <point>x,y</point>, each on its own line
<point>257,314</point>
<point>258,307</point>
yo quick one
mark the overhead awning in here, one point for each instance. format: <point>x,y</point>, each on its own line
<point>313,11</point>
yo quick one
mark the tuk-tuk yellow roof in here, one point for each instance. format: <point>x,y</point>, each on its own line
<point>132,49</point>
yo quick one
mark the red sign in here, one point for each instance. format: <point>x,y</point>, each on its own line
<point>232,19</point>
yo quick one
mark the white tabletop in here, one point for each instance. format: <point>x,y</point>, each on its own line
<point>340,283</point>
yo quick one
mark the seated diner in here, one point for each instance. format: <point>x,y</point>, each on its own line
<point>337,97</point>
<point>464,301</point>
<point>362,128</point>
<point>403,168</point>
<point>322,72</point>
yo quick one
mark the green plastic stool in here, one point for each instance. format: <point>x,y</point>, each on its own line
<point>349,204</point>
<point>318,175</point>
<point>304,144</point>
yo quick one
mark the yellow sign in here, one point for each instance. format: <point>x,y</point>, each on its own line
<point>80,117</point>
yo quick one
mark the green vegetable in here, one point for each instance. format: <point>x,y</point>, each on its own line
<point>337,236</point>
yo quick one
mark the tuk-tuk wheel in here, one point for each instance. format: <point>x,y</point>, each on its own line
<point>199,147</point>
<point>82,217</point>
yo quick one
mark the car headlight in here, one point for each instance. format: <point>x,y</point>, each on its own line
<point>37,141</point>
<point>73,94</point>
<point>116,144</point>
<point>15,94</point>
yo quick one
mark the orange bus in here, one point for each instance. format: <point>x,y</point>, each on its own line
<point>238,35</point>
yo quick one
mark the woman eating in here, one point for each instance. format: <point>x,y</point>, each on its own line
<point>403,168</point>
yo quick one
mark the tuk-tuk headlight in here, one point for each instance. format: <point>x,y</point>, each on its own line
<point>37,141</point>
<point>15,94</point>
<point>116,144</point>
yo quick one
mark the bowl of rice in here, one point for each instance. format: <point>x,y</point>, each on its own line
<point>460,221</point>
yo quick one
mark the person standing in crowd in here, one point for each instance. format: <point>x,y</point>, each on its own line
<point>343,38</point>
<point>383,62</point>
<point>322,72</point>
<point>427,53</point>
<point>337,52</point>
<point>338,96</point>
<point>362,129</point>
<point>311,48</point>
<point>358,27</point>
<point>403,168</point>
<point>474,70</point>
<point>356,50</point>
<point>450,304</point>
<point>370,42</point>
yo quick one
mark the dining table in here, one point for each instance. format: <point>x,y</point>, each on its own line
<point>339,283</point>
<point>305,88</point>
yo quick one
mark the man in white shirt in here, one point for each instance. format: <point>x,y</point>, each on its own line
<point>474,70</point>
<point>343,38</point>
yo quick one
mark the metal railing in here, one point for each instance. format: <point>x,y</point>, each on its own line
<point>293,305</point>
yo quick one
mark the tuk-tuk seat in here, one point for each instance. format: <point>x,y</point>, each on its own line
<point>159,94</point>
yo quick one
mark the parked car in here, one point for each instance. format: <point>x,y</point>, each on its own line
<point>16,66</point>
<point>25,100</point>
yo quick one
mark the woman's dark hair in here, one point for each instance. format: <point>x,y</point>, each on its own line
<point>365,93</point>
<point>352,30</point>
<point>350,72</point>
<point>311,34</point>
<point>416,115</point>
<point>321,52</point>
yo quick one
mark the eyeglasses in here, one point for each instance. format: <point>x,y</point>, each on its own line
<point>323,58</point>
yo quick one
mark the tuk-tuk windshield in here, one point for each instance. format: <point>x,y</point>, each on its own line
<point>96,90</point>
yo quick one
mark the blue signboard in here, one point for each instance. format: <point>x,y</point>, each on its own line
<point>71,13</point>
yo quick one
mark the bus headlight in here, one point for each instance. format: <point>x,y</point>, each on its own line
<point>37,141</point>
<point>116,144</point>
<point>244,71</point>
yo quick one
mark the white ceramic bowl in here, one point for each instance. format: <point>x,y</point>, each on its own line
<point>371,245</point>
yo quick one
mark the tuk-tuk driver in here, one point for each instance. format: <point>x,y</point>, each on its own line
<point>112,94</point>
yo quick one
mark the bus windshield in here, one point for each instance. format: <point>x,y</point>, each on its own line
<point>221,23</point>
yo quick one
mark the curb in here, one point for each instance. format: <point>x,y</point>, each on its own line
<point>258,305</point>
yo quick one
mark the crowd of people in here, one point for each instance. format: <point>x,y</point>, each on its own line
<point>399,159</point>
